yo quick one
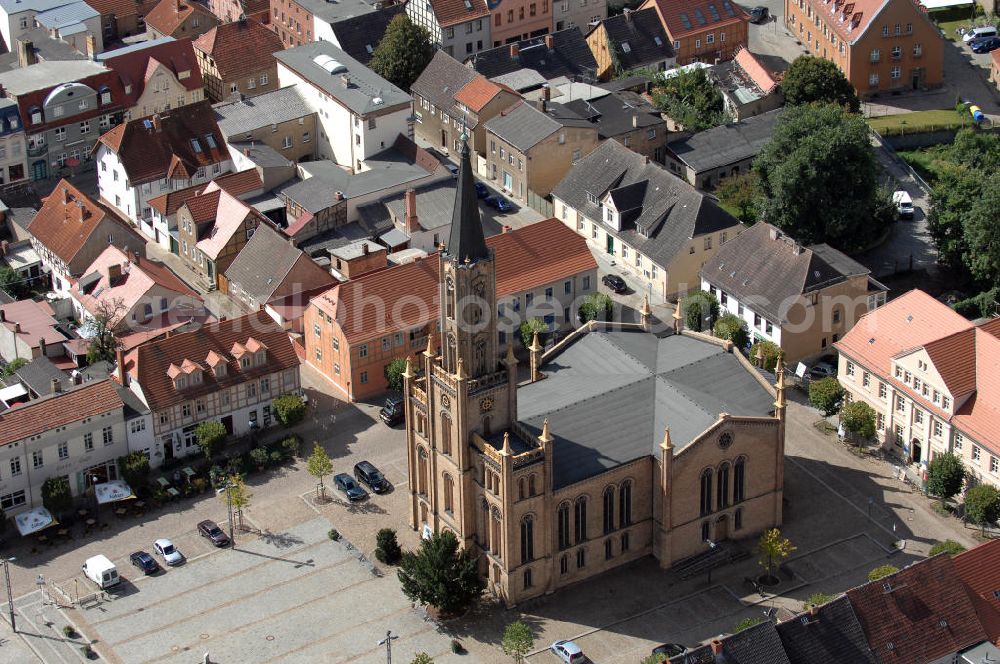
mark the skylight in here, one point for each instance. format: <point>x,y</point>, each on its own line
<point>626,48</point>
<point>714,12</point>
<point>698,16</point>
<point>659,42</point>
<point>686,21</point>
<point>196,145</point>
<point>728,8</point>
<point>211,141</point>
<point>329,64</point>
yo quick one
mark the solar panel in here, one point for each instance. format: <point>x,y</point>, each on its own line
<point>686,21</point>
<point>714,12</point>
<point>728,8</point>
<point>698,16</point>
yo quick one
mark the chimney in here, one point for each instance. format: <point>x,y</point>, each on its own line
<point>156,122</point>
<point>513,51</point>
<point>76,378</point>
<point>813,610</point>
<point>246,152</point>
<point>364,248</point>
<point>114,274</point>
<point>26,54</point>
<point>338,195</point>
<point>41,346</point>
<point>550,42</point>
<point>66,196</point>
<point>4,247</point>
<point>507,228</point>
<point>120,365</point>
<point>410,220</point>
<point>774,233</point>
<point>345,80</point>
<point>3,316</point>
<point>56,386</point>
<point>17,328</point>
<point>91,46</point>
<point>635,120</point>
<point>716,647</point>
<point>628,14</point>
<point>179,6</point>
<point>546,92</point>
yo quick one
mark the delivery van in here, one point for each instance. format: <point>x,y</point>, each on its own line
<point>904,204</point>
<point>101,571</point>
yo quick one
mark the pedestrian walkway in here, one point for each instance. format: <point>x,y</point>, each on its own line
<point>40,636</point>
<point>13,648</point>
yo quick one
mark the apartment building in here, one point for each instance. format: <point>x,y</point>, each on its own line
<point>459,28</point>
<point>156,75</point>
<point>278,119</point>
<point>238,58</point>
<point>702,30</point>
<point>516,20</point>
<point>179,19</point>
<point>13,143</point>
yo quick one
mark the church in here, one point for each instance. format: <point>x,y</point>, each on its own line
<point>619,444</point>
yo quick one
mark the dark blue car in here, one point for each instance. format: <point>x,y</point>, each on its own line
<point>346,484</point>
<point>985,45</point>
<point>500,203</point>
<point>145,562</point>
<point>481,190</point>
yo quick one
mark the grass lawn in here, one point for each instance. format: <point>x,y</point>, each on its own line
<point>908,123</point>
<point>928,162</point>
<point>950,28</point>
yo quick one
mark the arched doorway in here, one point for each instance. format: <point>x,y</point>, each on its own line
<point>916,451</point>
<point>722,528</point>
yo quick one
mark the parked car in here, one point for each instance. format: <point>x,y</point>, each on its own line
<point>453,169</point>
<point>979,33</point>
<point>568,652</point>
<point>346,484</point>
<point>392,413</point>
<point>166,550</point>
<point>482,191</point>
<point>145,562</point>
<point>669,649</point>
<point>903,203</point>
<point>760,14</point>
<point>615,283</point>
<point>824,368</point>
<point>500,203</point>
<point>366,473</point>
<point>101,571</point>
<point>211,530</point>
<point>985,45</point>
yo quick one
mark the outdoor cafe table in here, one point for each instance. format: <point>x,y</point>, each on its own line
<point>173,492</point>
<point>163,481</point>
<point>189,471</point>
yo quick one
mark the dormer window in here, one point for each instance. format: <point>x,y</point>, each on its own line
<point>220,370</point>
<point>105,93</point>
<point>592,199</point>
<point>245,362</point>
<point>36,115</point>
<point>180,382</point>
<point>184,74</point>
<point>195,145</point>
<point>196,378</point>
<point>260,357</point>
<point>210,140</point>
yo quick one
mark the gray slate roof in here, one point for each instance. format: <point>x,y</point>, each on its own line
<point>261,154</point>
<point>263,263</point>
<point>237,118</point>
<point>756,645</point>
<point>37,376</point>
<point>524,126</point>
<point>641,32</point>
<point>48,74</point>
<point>435,205</point>
<point>832,636</point>
<point>769,269</point>
<point>673,212</point>
<point>359,35</point>
<point>727,144</point>
<point>609,395</point>
<point>613,113</point>
<point>570,57</point>
<point>15,6</point>
<point>338,10</point>
<point>69,14</point>
<point>365,86</point>
<point>441,79</point>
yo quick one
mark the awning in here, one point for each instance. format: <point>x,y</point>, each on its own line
<point>34,520</point>
<point>941,4</point>
<point>113,491</point>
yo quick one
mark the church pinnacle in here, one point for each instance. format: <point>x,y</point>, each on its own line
<point>466,243</point>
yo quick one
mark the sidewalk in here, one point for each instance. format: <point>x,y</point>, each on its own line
<point>13,648</point>
<point>40,635</point>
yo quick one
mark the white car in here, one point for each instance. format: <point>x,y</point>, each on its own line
<point>166,549</point>
<point>568,652</point>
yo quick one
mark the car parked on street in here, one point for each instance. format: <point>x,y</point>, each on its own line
<point>145,562</point>
<point>499,203</point>
<point>760,14</point>
<point>346,484</point>
<point>985,45</point>
<point>824,368</point>
<point>482,191</point>
<point>979,33</point>
<point>614,283</point>
<point>166,550</point>
<point>568,652</point>
<point>211,530</point>
<point>392,412</point>
<point>366,473</point>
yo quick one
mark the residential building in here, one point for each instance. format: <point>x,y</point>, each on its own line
<point>71,230</point>
<point>826,634</point>
<point>707,158</point>
<point>560,54</point>
<point>238,57</point>
<point>13,143</point>
<point>628,41</point>
<point>930,376</point>
<point>122,18</point>
<point>72,21</point>
<point>542,271</point>
<point>803,299</point>
<point>580,14</point>
<point>460,28</point>
<point>582,475</point>
<point>29,329</point>
<point>179,19</point>
<point>278,119</point>
<point>450,99</point>
<point>359,35</point>
<point>212,229</point>
<point>22,258</point>
<point>880,46</point>
<point>532,149</point>
<point>270,267</point>
<point>420,217</point>
<point>749,83</point>
<point>517,20</point>
<point>359,112</point>
<point>77,433</point>
<point>65,107</point>
<point>627,118</point>
<point>228,11</point>
<point>300,22</point>
<point>156,76</point>
<point>657,228</point>
<point>37,46</point>
<point>146,157</point>
<point>702,30</point>
<point>229,372</point>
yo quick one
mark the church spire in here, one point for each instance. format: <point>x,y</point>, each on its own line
<point>466,242</point>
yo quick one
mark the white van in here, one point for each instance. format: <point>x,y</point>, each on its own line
<point>978,33</point>
<point>904,204</point>
<point>101,571</point>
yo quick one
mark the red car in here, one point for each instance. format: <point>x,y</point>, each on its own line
<point>211,530</point>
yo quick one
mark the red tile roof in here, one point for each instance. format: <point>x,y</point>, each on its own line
<point>202,207</point>
<point>68,219</point>
<point>56,410</point>
<point>238,184</point>
<point>526,258</point>
<point>163,145</point>
<point>954,357</point>
<point>850,20</point>
<point>477,93</point>
<point>148,364</point>
<point>979,416</point>
<point>917,614</point>
<point>135,67</point>
<point>240,48</point>
<point>453,12</point>
<point>36,320</point>
<point>680,17</point>
<point>117,8</point>
<point>752,67</point>
<point>168,15</point>
<point>979,569</point>
<point>169,203</point>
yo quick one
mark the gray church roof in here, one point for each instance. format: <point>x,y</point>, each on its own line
<point>609,396</point>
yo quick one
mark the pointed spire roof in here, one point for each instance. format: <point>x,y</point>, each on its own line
<point>466,241</point>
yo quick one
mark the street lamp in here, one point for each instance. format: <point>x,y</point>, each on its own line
<point>229,506</point>
<point>711,547</point>
<point>387,642</point>
<point>10,598</point>
<point>97,504</point>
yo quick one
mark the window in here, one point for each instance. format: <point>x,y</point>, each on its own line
<point>581,558</point>
<point>958,440</point>
<point>977,452</point>
<point>882,390</point>
<point>36,459</point>
<point>994,464</point>
<point>527,539</point>
<point>880,423</point>
<point>609,509</point>
<point>13,500</point>
<point>896,29</point>
<point>625,504</point>
<point>263,79</point>
<point>938,428</point>
<point>706,492</point>
<point>738,520</point>
<point>739,479</point>
<point>286,142</point>
<point>945,403</point>
<point>364,377</point>
<point>897,52</point>
<point>580,519</point>
<point>63,451</point>
<point>900,404</point>
<point>563,525</point>
<point>866,379</point>
<point>722,487</point>
<point>363,350</point>
<point>527,579</point>
<point>186,410</point>
<point>697,43</point>
<point>88,438</point>
<point>710,38</point>
<point>61,135</point>
<point>895,73</point>
<point>372,122</point>
<point>873,80</point>
<point>918,416</point>
<point>564,561</point>
<point>850,368</point>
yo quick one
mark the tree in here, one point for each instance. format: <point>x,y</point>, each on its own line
<point>811,79</point>
<point>740,194</point>
<point>733,328</point>
<point>981,230</point>
<point>102,328</point>
<point>441,575</point>
<point>950,547</point>
<point>235,490</point>
<point>56,496</point>
<point>945,476</point>
<point>387,547</point>
<point>817,153</point>
<point>690,99</point>
<point>698,306</point>
<point>772,548</point>
<point>11,282</point>
<point>858,419</point>
<point>826,395</point>
<point>881,572</point>
<point>394,374</point>
<point>747,623</point>
<point>955,192</point>
<point>11,367</point>
<point>403,53</point>
<point>596,306</point>
<point>319,466</point>
<point>817,599</point>
<point>134,468</point>
<point>210,435</point>
<point>289,409</point>
<point>422,658</point>
<point>517,641</point>
<point>530,327</point>
<point>982,505</point>
<point>770,352</point>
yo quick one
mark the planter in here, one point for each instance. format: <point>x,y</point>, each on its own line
<point>768,580</point>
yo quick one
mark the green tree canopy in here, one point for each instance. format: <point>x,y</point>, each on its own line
<point>817,599</point>
<point>290,409</point>
<point>394,374</point>
<point>442,575</point>
<point>596,306</point>
<point>739,194</point>
<point>517,641</point>
<point>387,547</point>
<point>529,327</point>
<point>237,491</point>
<point>319,464</point>
<point>982,504</point>
<point>945,476</point>
<point>881,572</point>
<point>56,495</point>
<point>11,367</point>
<point>812,79</point>
<point>815,156</point>
<point>697,307</point>
<point>210,435</point>
<point>826,395</point>
<point>11,282</point>
<point>770,350</point>
<point>858,419</point>
<point>422,658</point>
<point>403,53</point>
<point>733,328</point>
<point>772,548</point>
<point>747,623</point>
<point>948,546</point>
<point>689,98</point>
<point>134,468</point>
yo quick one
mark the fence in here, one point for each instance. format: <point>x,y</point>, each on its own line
<point>541,204</point>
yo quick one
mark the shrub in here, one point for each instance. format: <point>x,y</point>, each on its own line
<point>881,572</point>
<point>596,306</point>
<point>816,599</point>
<point>334,534</point>
<point>199,484</point>
<point>88,652</point>
<point>733,328</point>
<point>69,632</point>
<point>826,395</point>
<point>697,307</point>
<point>210,436</point>
<point>528,329</point>
<point>56,495</point>
<point>771,352</point>
<point>276,457</point>
<point>216,475</point>
<point>945,476</point>
<point>387,547</point>
<point>289,409</point>
<point>747,623</point>
<point>291,446</point>
<point>134,468</point>
<point>948,546</point>
<point>394,374</point>
<point>259,456</point>
<point>422,658</point>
